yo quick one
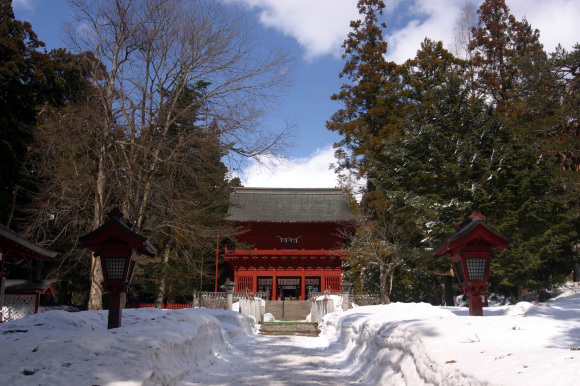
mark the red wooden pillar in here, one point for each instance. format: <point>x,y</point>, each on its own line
<point>274,286</point>
<point>115,310</point>
<point>322,282</point>
<point>255,280</point>
<point>37,302</point>
<point>476,305</point>
<point>303,286</point>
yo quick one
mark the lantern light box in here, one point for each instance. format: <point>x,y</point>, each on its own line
<point>471,249</point>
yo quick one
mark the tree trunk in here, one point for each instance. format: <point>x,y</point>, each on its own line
<point>522,291</point>
<point>390,285</point>
<point>96,292</point>
<point>9,216</point>
<point>383,277</point>
<point>449,298</point>
<point>576,276</point>
<point>162,279</point>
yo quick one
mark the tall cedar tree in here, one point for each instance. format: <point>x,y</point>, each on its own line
<point>537,95</point>
<point>375,102</point>
<point>372,106</point>
<point>456,156</point>
<point>497,41</point>
<point>451,153</point>
<point>22,91</point>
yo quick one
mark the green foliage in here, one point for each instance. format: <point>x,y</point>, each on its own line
<point>21,77</point>
<point>512,153</point>
<point>497,42</point>
<point>371,96</point>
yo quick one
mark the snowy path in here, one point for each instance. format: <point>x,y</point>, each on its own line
<point>277,360</point>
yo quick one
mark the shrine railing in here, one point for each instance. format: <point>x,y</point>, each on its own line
<point>250,295</point>
<point>359,299</point>
<point>314,295</point>
<point>216,300</point>
<point>367,299</point>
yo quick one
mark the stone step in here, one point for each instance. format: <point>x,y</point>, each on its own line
<point>288,309</point>
<point>289,328</point>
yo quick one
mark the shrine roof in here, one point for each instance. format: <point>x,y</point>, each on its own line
<point>467,230</point>
<point>20,248</point>
<point>289,205</point>
<point>24,286</point>
<point>119,229</point>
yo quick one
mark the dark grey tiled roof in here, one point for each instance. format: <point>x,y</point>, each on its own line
<point>289,205</point>
<point>9,234</point>
<point>27,285</point>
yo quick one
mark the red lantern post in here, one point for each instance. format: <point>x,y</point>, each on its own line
<point>118,248</point>
<point>471,249</point>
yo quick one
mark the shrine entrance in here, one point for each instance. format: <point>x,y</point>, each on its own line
<point>289,288</point>
<point>313,284</point>
<point>265,285</point>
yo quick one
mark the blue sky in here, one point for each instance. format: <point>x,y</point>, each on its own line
<point>313,31</point>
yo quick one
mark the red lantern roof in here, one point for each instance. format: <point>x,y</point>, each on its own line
<point>118,230</point>
<point>474,231</point>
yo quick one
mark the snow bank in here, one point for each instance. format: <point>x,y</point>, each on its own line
<point>382,341</point>
<point>152,347</point>
<point>399,343</point>
<point>526,343</point>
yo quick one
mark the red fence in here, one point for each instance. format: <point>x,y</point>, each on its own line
<point>165,306</point>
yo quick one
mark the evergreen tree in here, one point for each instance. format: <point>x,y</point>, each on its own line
<point>457,157</point>
<point>22,80</point>
<point>371,95</point>
<point>497,41</point>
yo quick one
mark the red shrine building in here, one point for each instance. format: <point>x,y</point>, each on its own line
<point>295,239</point>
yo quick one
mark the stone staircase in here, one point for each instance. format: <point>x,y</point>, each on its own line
<point>289,328</point>
<point>285,310</point>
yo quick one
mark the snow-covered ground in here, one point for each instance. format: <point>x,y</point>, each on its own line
<point>413,344</point>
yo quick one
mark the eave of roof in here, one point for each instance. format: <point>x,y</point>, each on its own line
<point>25,286</point>
<point>93,239</point>
<point>503,241</point>
<point>25,246</point>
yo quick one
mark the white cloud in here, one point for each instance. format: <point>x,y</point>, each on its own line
<point>311,172</point>
<point>319,26</point>
<point>557,20</point>
<point>426,18</point>
<point>27,5</point>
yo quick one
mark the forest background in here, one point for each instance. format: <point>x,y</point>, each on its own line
<point>158,97</point>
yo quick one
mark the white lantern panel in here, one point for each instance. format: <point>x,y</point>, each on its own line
<point>476,268</point>
<point>115,267</point>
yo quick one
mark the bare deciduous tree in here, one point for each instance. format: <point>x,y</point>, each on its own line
<point>462,39</point>
<point>172,79</point>
<point>385,241</point>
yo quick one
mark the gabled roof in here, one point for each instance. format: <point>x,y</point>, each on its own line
<point>29,286</point>
<point>119,228</point>
<point>289,205</point>
<point>17,247</point>
<point>474,229</point>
